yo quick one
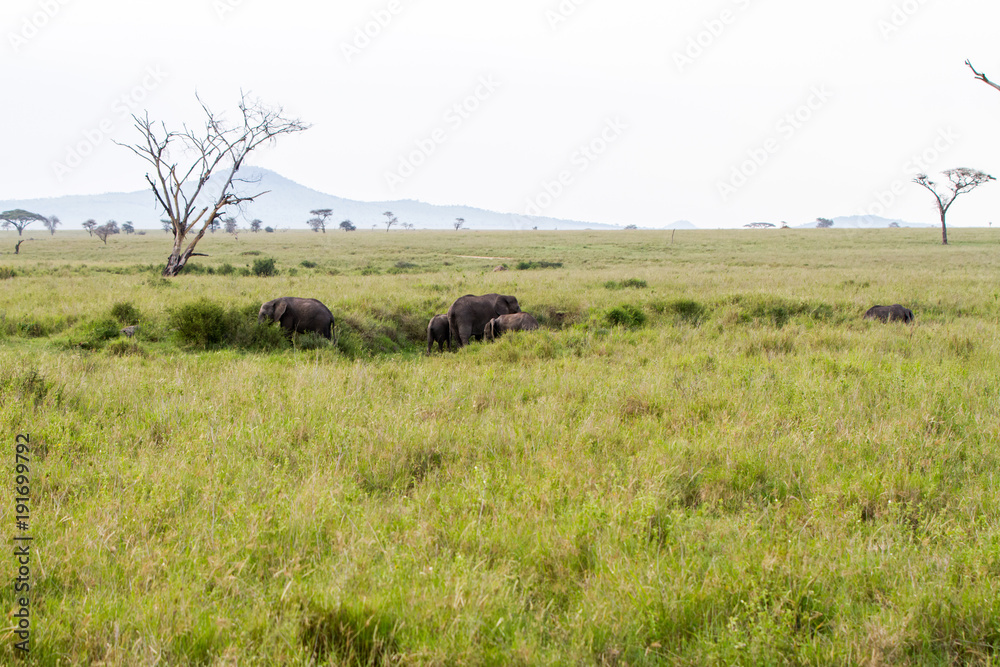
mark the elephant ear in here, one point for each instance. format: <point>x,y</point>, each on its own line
<point>279,310</point>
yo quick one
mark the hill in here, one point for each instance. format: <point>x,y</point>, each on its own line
<point>287,205</point>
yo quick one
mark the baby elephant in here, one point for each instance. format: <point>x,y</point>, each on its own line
<point>295,314</point>
<point>438,331</point>
<point>889,313</point>
<point>512,322</point>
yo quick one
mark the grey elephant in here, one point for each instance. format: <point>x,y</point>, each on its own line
<point>468,316</point>
<point>438,332</point>
<point>514,322</point>
<point>295,314</point>
<point>892,313</point>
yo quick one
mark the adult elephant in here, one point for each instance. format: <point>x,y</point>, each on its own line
<point>514,322</point>
<point>296,314</point>
<point>468,316</point>
<point>892,313</point>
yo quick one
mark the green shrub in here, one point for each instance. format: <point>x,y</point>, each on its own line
<point>250,253</point>
<point>226,269</point>
<point>242,331</point>
<point>626,315</point>
<point>311,340</point>
<point>688,311</point>
<point>634,283</point>
<point>6,272</point>
<point>125,313</point>
<point>95,334</point>
<point>199,324</point>
<point>264,267</point>
<point>306,264</point>
<point>521,266</point>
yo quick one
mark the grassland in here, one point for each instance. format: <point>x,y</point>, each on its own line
<point>705,457</point>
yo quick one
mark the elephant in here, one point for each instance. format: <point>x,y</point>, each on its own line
<point>889,313</point>
<point>295,314</point>
<point>514,322</point>
<point>468,316</point>
<point>438,332</point>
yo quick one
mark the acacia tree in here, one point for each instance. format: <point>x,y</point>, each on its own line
<point>256,224</point>
<point>20,219</point>
<point>318,223</point>
<point>104,231</point>
<point>458,223</point>
<point>824,223</point>
<point>390,220</point>
<point>347,225</point>
<point>90,226</point>
<point>220,148</point>
<point>51,223</point>
<point>128,227</point>
<point>961,180</point>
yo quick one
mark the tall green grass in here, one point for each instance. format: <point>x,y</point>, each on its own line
<point>752,474</point>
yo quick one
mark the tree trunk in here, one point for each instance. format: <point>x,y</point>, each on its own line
<point>944,231</point>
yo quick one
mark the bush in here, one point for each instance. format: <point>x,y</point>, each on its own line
<point>635,283</point>
<point>200,323</point>
<point>263,267</point>
<point>626,315</point>
<point>688,311</point>
<point>307,264</point>
<point>226,269</point>
<point>311,340</point>
<point>204,324</point>
<point>521,266</point>
<point>244,332</point>
<point>6,272</point>
<point>95,334</point>
<point>125,313</point>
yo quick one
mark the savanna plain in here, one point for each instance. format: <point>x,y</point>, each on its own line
<point>705,456</point>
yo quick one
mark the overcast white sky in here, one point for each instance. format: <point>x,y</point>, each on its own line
<point>626,111</point>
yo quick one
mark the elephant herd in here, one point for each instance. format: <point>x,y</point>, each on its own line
<point>487,316</point>
<point>470,317</point>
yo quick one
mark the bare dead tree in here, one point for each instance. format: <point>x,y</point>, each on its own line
<point>17,246</point>
<point>220,148</point>
<point>981,76</point>
<point>961,180</point>
<point>51,223</point>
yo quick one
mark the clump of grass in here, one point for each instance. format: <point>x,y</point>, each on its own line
<point>355,635</point>
<point>6,272</point>
<point>626,315</point>
<point>125,313</point>
<point>124,348</point>
<point>628,283</point>
<point>264,267</point>
<point>763,309</point>
<point>540,264</point>
<point>308,264</point>
<point>250,253</point>
<point>28,386</point>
